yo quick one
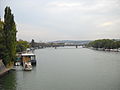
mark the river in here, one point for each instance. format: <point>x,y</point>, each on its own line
<point>67,68</point>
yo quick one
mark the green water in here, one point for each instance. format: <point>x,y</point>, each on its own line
<point>67,69</point>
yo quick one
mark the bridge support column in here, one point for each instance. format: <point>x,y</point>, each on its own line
<point>76,46</point>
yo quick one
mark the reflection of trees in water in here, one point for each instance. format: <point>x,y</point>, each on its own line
<point>8,82</point>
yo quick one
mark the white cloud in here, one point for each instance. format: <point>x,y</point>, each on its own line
<point>66,19</point>
<point>64,4</point>
<point>97,5</point>
<point>109,23</point>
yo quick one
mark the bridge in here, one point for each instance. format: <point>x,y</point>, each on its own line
<point>54,45</point>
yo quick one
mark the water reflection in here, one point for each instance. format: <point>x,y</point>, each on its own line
<point>8,82</point>
<point>67,69</point>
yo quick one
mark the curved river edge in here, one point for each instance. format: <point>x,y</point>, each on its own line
<point>102,49</point>
<point>3,69</point>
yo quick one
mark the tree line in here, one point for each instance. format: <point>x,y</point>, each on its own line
<point>22,45</point>
<point>9,45</point>
<point>105,44</point>
<point>8,37</point>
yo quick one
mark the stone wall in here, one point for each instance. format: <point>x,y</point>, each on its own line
<point>2,67</point>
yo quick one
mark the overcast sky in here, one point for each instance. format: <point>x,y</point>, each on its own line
<point>46,20</point>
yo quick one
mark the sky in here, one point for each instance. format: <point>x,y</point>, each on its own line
<point>50,20</point>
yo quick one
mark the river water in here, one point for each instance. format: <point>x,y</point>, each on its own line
<point>67,69</point>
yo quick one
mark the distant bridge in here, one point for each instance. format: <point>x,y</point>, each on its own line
<point>55,45</point>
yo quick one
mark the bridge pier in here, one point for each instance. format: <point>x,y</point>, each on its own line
<point>76,46</point>
<point>55,47</point>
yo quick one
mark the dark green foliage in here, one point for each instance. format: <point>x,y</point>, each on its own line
<point>105,43</point>
<point>8,37</point>
<point>3,50</point>
<point>1,40</point>
<point>22,45</point>
<point>10,34</point>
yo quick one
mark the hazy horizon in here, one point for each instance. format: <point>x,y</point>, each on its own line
<point>52,20</point>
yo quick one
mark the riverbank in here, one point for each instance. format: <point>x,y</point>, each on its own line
<point>3,69</point>
<point>102,49</point>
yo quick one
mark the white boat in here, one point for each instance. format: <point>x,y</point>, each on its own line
<point>27,66</point>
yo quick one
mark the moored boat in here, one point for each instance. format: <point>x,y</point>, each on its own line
<point>28,57</point>
<point>27,66</point>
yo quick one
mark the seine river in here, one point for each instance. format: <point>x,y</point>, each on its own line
<point>67,69</point>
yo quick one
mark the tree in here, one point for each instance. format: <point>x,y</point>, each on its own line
<point>105,44</point>
<point>1,39</point>
<point>22,45</point>
<point>9,35</point>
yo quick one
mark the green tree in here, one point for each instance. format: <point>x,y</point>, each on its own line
<point>105,44</point>
<point>9,35</point>
<point>3,51</point>
<point>22,45</point>
<point>1,39</point>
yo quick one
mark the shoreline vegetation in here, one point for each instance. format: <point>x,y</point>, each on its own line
<point>9,46</point>
<point>8,38</point>
<point>7,41</point>
<point>105,45</point>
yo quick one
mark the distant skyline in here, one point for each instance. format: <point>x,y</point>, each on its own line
<point>50,20</point>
